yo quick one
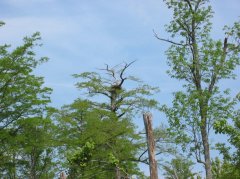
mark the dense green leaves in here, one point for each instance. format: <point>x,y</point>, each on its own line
<point>27,152</point>
<point>95,141</point>
<point>25,128</point>
<point>21,92</point>
<point>224,169</point>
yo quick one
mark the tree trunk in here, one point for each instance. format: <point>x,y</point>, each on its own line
<point>207,157</point>
<point>147,117</point>
<point>204,134</point>
<point>118,173</point>
<point>63,175</point>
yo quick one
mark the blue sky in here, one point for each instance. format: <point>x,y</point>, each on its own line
<point>83,35</point>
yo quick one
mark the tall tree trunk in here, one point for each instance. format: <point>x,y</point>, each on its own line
<point>147,117</point>
<point>207,157</point>
<point>204,135</point>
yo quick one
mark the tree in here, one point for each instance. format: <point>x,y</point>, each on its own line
<point>21,92</point>
<point>23,105</point>
<point>151,144</point>
<point>118,100</point>
<point>200,62</point>
<point>94,142</point>
<point>31,149</point>
<point>232,129</point>
<point>115,141</point>
<point>178,168</point>
<point>224,169</point>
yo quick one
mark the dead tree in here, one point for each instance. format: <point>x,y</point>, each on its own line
<point>147,118</point>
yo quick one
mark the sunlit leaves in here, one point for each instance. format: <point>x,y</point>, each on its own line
<point>21,91</point>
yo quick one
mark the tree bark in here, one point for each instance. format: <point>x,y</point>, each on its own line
<point>118,173</point>
<point>204,135</point>
<point>208,167</point>
<point>147,118</point>
<point>63,175</point>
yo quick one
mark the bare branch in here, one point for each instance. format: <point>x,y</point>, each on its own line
<point>139,158</point>
<point>142,161</point>
<point>166,40</point>
<point>111,72</point>
<point>122,72</point>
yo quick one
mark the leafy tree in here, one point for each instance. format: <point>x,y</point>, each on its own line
<point>224,169</point>
<point>93,138</point>
<point>200,62</point>
<point>119,100</point>
<point>24,150</point>
<point>105,122</point>
<point>232,129</point>
<point>179,168</point>
<point>21,92</point>
<point>28,152</point>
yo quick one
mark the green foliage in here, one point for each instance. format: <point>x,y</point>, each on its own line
<point>113,160</point>
<point>82,155</point>
<point>232,129</point>
<point>81,124</point>
<point>21,92</point>
<point>224,169</point>
<point>125,101</point>
<point>25,128</point>
<point>178,168</point>
<point>105,122</point>
<point>27,150</point>
<point>201,63</point>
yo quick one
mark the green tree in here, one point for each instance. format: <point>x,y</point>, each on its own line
<point>179,168</point>
<point>23,103</point>
<point>82,124</point>
<point>21,92</point>
<point>118,100</point>
<point>224,169</point>
<point>28,152</point>
<point>232,129</point>
<point>200,62</point>
<point>106,121</point>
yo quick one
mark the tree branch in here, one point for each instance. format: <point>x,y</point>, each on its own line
<point>122,72</point>
<point>216,70</point>
<point>166,40</point>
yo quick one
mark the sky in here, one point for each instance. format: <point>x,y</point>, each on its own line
<point>83,35</point>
